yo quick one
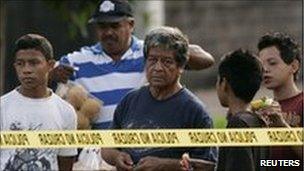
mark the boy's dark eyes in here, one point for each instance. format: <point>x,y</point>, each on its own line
<point>272,62</point>
<point>31,62</point>
<point>18,63</point>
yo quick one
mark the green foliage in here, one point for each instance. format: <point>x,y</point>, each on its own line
<point>219,121</point>
<point>75,13</point>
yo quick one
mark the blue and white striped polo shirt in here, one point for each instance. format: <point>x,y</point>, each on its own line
<point>106,79</point>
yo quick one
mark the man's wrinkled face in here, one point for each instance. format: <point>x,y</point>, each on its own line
<point>161,68</point>
<point>114,37</point>
<point>32,68</point>
<point>276,71</point>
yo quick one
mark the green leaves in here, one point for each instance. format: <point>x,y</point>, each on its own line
<point>75,13</point>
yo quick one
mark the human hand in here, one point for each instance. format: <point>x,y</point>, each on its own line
<point>185,162</point>
<point>149,164</point>
<point>124,162</point>
<point>61,73</point>
<point>193,164</point>
<point>272,115</point>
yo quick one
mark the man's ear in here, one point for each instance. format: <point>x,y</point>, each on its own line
<point>131,23</point>
<point>226,87</point>
<point>180,71</point>
<point>51,64</point>
<point>295,66</point>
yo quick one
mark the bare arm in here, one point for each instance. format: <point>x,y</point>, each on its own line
<point>273,117</point>
<point>65,163</point>
<point>156,163</point>
<point>61,73</point>
<point>198,58</point>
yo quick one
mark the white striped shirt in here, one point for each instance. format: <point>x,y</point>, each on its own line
<point>106,79</point>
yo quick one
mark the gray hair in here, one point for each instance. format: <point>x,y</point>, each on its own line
<point>168,38</point>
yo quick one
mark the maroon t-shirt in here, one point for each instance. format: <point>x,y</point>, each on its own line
<point>293,106</point>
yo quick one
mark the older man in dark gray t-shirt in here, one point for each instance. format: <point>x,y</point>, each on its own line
<point>164,103</point>
<point>140,110</point>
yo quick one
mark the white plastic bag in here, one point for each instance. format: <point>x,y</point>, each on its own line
<point>90,159</point>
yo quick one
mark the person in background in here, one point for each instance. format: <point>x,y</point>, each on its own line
<point>33,106</point>
<point>281,58</point>
<point>239,78</point>
<point>163,103</point>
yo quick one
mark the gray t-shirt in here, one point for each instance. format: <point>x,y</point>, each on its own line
<point>139,110</point>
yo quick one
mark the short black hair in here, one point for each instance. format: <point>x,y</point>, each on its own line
<point>168,38</point>
<point>289,49</point>
<point>34,41</point>
<point>243,72</point>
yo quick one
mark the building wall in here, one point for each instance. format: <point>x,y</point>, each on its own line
<point>222,26</point>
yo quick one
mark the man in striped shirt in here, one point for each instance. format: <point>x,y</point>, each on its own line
<point>114,65</point>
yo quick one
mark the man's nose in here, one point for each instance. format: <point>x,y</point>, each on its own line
<point>108,31</point>
<point>158,66</point>
<point>265,69</point>
<point>27,68</point>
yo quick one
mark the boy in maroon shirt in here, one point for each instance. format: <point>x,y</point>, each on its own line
<point>280,56</point>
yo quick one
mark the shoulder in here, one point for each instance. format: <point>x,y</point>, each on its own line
<point>195,107</point>
<point>245,119</point>
<point>192,100</point>
<point>235,122</point>
<point>136,49</point>
<point>133,97</point>
<point>135,93</point>
<point>84,54</point>
<point>65,108</point>
<point>137,43</point>
<point>8,97</point>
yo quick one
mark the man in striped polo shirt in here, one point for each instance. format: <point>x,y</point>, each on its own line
<point>114,65</point>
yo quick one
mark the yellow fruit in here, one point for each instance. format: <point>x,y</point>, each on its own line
<point>256,104</point>
<point>82,121</point>
<point>76,96</point>
<point>261,103</point>
<point>90,108</point>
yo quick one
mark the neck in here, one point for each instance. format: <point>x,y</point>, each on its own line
<point>39,92</point>
<point>116,56</point>
<point>237,105</point>
<point>285,91</point>
<point>165,92</point>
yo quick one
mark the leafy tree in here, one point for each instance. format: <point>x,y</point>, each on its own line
<point>74,12</point>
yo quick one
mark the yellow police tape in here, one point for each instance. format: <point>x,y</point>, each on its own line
<point>152,138</point>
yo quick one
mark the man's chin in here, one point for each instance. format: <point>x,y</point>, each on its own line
<point>157,84</point>
<point>270,86</point>
<point>110,47</point>
<point>28,86</point>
